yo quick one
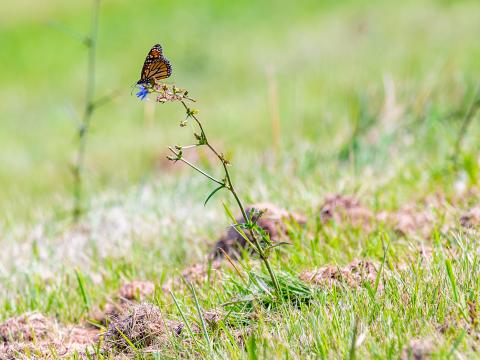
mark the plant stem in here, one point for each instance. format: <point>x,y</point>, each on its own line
<point>231,188</point>
<point>180,158</point>
<point>229,184</point>
<point>91,43</point>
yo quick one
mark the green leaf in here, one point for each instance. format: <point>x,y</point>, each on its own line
<point>229,213</point>
<point>213,193</point>
<point>201,317</point>
<point>281,243</point>
<point>353,341</point>
<point>379,273</point>
<point>457,342</point>
<point>125,337</point>
<point>83,291</point>
<point>451,277</point>
<point>183,316</point>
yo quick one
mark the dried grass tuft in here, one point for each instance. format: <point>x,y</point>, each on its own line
<point>142,326</point>
<point>353,275</point>
<point>33,335</point>
<point>129,292</point>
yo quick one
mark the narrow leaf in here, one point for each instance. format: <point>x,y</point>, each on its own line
<point>83,291</point>
<point>213,193</point>
<point>451,277</point>
<point>183,317</point>
<point>229,213</point>
<point>125,337</point>
<point>200,315</point>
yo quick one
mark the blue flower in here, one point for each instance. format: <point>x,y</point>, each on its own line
<point>142,94</point>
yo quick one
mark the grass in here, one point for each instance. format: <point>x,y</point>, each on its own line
<point>324,61</point>
<point>370,96</point>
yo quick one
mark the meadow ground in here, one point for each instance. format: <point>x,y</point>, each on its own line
<point>344,115</point>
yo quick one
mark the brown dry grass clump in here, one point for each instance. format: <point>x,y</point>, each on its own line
<point>273,221</point>
<point>142,326</point>
<point>33,335</point>
<point>353,275</point>
<point>343,209</point>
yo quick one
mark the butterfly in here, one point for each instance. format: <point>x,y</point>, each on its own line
<point>155,67</point>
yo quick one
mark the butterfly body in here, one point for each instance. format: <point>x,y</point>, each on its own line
<point>156,67</point>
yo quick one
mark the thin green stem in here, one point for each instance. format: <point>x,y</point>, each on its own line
<point>89,107</point>
<point>182,159</point>
<point>231,188</point>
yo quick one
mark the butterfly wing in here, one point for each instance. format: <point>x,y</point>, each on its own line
<point>156,66</point>
<point>158,69</point>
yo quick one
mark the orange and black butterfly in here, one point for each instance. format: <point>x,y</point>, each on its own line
<point>155,67</point>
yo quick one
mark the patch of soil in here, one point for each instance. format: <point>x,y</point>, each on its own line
<point>471,219</point>
<point>147,329</point>
<point>134,291</point>
<point>196,274</point>
<point>35,335</point>
<point>418,349</point>
<point>27,327</point>
<point>273,221</point>
<point>353,275</point>
<point>343,209</point>
<point>409,220</point>
<point>424,253</point>
<point>144,326</point>
<point>213,317</point>
<point>77,337</point>
<point>103,315</point>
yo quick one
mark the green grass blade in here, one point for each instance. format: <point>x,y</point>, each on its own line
<point>202,319</point>
<point>451,277</point>
<point>183,316</point>
<point>125,337</point>
<point>82,289</point>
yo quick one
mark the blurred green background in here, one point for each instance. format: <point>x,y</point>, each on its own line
<point>329,62</point>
